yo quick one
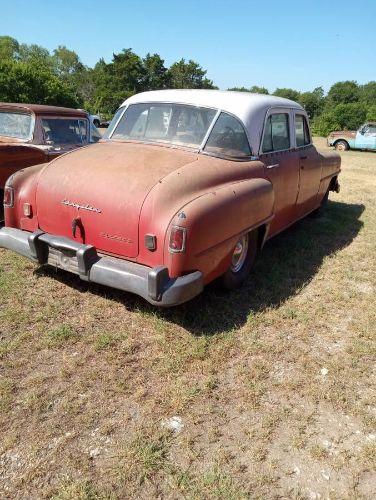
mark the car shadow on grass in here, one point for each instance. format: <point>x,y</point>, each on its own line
<point>287,263</point>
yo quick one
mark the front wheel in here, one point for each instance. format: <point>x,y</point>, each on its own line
<point>341,146</point>
<point>242,260</point>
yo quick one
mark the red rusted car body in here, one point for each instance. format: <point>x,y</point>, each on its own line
<point>186,187</point>
<point>31,134</point>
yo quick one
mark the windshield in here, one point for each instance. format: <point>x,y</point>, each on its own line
<point>164,123</point>
<point>16,125</point>
<point>65,131</point>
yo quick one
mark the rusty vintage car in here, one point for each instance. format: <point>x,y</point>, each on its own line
<point>364,138</point>
<point>185,188</point>
<point>31,134</point>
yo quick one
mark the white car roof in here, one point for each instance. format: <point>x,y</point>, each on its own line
<point>248,107</point>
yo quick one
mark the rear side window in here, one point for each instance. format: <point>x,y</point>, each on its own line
<point>16,125</point>
<point>277,133</point>
<point>301,131</point>
<point>228,138</point>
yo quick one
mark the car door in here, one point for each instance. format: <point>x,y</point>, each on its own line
<point>309,165</point>
<point>366,137</point>
<point>281,166</point>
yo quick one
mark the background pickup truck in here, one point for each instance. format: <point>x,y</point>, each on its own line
<point>31,134</point>
<point>364,138</point>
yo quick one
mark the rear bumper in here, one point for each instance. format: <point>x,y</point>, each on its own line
<point>153,284</point>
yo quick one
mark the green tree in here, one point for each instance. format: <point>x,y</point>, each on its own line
<point>371,113</point>
<point>9,48</point>
<point>313,102</point>
<point>35,54</point>
<point>287,93</point>
<point>259,90</point>
<point>368,93</point>
<point>343,93</point>
<point>66,62</point>
<point>343,116</point>
<point>255,89</point>
<point>24,82</point>
<point>239,89</point>
<point>156,76</point>
<point>188,75</point>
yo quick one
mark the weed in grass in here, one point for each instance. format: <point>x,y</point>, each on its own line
<point>144,456</point>
<point>105,341</point>
<point>60,335</point>
<point>81,490</point>
<point>318,452</point>
<point>7,389</point>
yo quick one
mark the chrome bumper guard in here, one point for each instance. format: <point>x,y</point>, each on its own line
<point>153,284</point>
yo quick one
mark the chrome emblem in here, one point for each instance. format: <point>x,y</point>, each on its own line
<point>115,237</point>
<point>78,206</point>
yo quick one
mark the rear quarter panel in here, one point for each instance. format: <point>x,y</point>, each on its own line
<point>331,167</point>
<point>218,201</point>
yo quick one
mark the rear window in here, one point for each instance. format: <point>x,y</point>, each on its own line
<point>166,123</point>
<point>228,138</point>
<point>65,130</point>
<point>17,125</point>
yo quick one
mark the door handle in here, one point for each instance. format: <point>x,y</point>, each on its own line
<point>276,165</point>
<point>303,157</point>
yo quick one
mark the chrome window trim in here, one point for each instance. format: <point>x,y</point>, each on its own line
<point>273,111</point>
<point>208,132</point>
<point>120,117</point>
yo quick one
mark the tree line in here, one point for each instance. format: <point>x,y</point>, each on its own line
<point>31,73</point>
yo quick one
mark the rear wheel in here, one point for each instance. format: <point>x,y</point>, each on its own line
<point>242,260</point>
<point>341,146</point>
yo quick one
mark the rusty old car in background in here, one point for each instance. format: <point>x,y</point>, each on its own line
<point>31,134</point>
<point>186,187</point>
<point>363,138</point>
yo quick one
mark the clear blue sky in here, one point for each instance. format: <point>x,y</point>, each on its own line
<point>275,43</point>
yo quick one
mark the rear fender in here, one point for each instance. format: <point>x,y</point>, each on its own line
<point>331,167</point>
<point>24,183</point>
<point>214,222</point>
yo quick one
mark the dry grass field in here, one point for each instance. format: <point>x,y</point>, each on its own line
<point>272,387</point>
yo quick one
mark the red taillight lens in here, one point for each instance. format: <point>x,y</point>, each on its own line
<point>178,236</point>
<point>8,196</point>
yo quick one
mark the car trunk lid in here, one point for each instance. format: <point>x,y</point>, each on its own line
<point>95,194</point>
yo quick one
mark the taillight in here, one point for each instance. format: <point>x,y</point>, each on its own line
<point>8,196</point>
<point>178,236</point>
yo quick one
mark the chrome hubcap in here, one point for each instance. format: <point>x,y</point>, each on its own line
<point>240,254</point>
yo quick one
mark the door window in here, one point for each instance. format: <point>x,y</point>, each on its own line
<point>370,129</point>
<point>228,138</point>
<point>301,131</point>
<point>277,133</point>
